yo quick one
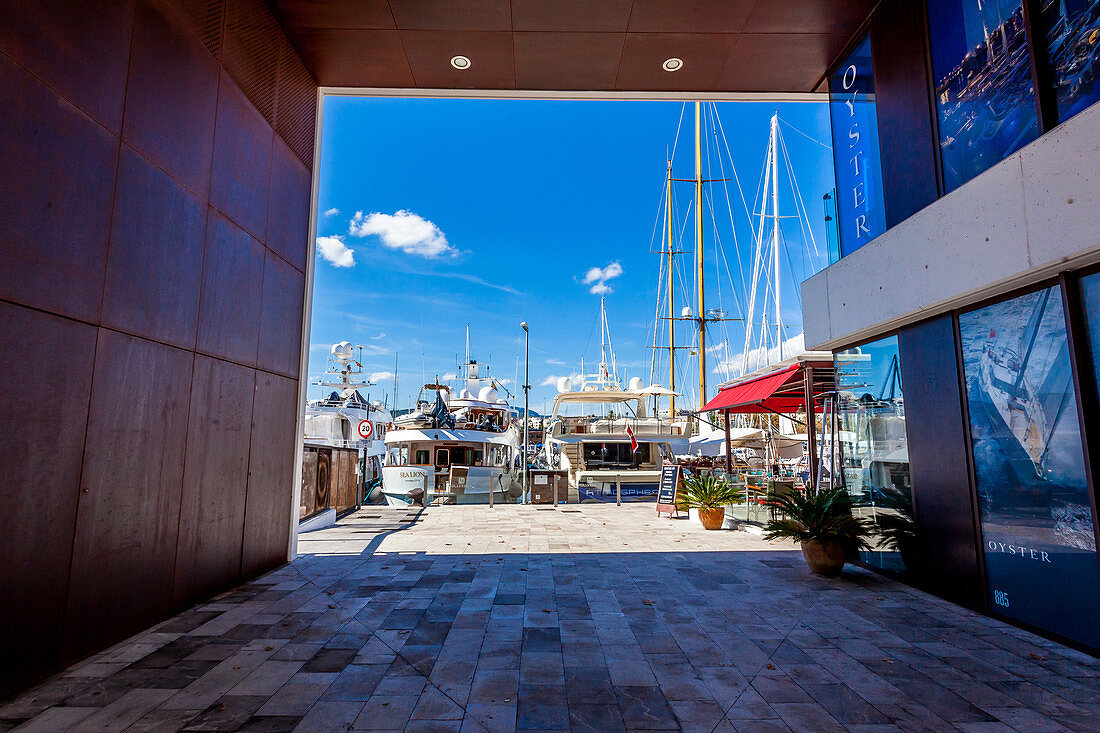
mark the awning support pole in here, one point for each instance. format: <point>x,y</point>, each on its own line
<point>729,449</point>
<point>811,427</point>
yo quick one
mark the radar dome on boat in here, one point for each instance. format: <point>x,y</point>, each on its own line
<point>445,394</point>
<point>635,384</point>
<point>465,395</point>
<point>564,384</point>
<point>342,351</point>
<point>487,394</point>
<point>686,312</point>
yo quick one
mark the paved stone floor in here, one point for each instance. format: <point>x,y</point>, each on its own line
<point>592,618</point>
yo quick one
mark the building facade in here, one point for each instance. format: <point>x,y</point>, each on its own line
<point>156,157</point>
<point>964,298</point>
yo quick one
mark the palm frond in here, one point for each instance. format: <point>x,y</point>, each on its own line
<point>824,515</point>
<point>708,491</point>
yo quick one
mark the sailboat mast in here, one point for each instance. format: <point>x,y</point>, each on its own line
<point>701,313</point>
<point>603,341</point>
<point>775,230</point>
<point>671,313</point>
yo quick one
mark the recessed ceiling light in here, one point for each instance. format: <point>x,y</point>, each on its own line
<point>673,64</point>
<point>460,62</point>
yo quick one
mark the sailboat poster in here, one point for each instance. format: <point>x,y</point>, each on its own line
<point>1037,531</point>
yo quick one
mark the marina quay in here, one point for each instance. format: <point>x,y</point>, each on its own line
<point>547,365</point>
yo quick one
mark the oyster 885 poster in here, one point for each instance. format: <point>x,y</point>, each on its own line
<point>1036,518</point>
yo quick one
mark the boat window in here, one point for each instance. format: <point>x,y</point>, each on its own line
<point>441,457</point>
<point>615,455</point>
<point>459,455</point>
<point>423,457</point>
<point>479,458</point>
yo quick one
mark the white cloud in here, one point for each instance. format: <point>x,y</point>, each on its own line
<point>597,277</point>
<point>759,357</point>
<point>475,280</point>
<point>335,252</point>
<point>381,335</point>
<point>332,212</point>
<point>555,362</point>
<point>379,376</point>
<point>552,380</point>
<point>450,377</point>
<point>404,231</point>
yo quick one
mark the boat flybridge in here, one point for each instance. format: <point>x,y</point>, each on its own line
<point>612,448</point>
<point>454,448</point>
<point>345,419</point>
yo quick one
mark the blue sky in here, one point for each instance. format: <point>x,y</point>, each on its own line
<point>492,212</point>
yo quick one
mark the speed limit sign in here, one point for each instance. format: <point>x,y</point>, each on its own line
<point>366,429</point>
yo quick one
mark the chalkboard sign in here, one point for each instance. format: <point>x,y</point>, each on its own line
<point>666,491</point>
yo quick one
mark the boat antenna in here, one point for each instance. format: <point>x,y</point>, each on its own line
<point>395,380</point>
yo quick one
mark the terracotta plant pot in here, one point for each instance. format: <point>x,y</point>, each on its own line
<point>712,518</point>
<point>824,558</point>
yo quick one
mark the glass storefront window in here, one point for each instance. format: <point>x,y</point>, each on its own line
<point>861,213</point>
<point>1036,518</point>
<point>1070,30</point>
<point>982,73</point>
<point>874,452</point>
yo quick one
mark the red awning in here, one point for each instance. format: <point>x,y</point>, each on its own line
<point>780,391</point>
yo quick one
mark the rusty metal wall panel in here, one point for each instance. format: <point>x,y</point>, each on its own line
<point>171,97</point>
<point>270,474</point>
<point>80,49</point>
<point>39,473</point>
<point>344,462</point>
<point>63,81</point>
<point>242,161</point>
<point>280,343</point>
<point>229,315</point>
<point>215,479</point>
<point>307,504</point>
<point>129,497</point>
<point>58,168</point>
<point>288,206</point>
<point>206,19</point>
<point>325,482</point>
<point>154,268</point>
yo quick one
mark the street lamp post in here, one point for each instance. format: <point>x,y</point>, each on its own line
<point>526,407</point>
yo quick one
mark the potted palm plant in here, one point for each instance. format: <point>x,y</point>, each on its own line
<point>823,523</point>
<point>709,495</point>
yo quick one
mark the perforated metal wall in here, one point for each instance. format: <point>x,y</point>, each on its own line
<point>245,37</point>
<point>295,115</point>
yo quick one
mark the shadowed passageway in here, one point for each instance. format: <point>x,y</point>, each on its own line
<point>591,618</point>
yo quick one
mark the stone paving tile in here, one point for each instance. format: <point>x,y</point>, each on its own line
<point>596,618</point>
